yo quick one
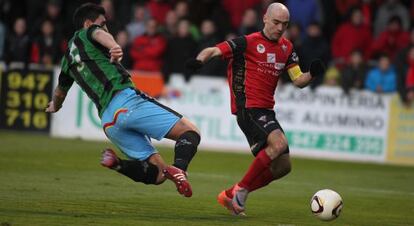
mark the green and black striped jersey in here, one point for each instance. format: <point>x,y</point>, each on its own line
<point>87,63</point>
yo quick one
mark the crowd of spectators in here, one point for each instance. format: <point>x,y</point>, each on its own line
<point>367,44</point>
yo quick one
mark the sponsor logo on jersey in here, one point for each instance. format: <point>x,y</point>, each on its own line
<point>260,48</point>
<point>279,66</point>
<point>271,58</point>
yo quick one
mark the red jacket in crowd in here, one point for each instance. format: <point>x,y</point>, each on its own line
<point>350,37</point>
<point>147,52</point>
<point>236,9</point>
<point>409,83</point>
<point>390,42</point>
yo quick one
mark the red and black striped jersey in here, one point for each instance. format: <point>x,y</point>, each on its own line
<point>254,68</point>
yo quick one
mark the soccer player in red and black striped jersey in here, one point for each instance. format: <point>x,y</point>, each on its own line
<point>256,63</point>
<point>129,117</point>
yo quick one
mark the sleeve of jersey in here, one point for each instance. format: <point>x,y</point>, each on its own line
<point>225,49</point>
<point>293,68</point>
<point>65,81</point>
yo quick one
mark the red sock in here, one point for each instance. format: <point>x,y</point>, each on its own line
<point>262,180</point>
<point>260,164</point>
<point>229,192</point>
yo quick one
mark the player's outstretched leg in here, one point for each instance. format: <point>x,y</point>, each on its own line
<point>139,171</point>
<point>179,177</point>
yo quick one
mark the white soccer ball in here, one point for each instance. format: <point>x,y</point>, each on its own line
<point>326,204</point>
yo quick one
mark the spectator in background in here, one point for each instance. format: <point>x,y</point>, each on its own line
<point>332,77</point>
<point>113,25</point>
<point>215,67</point>
<point>18,43</point>
<point>350,36</point>
<point>181,10</point>
<point>294,34</point>
<point>208,35</point>
<point>249,22</point>
<point>343,7</point>
<point>354,73</point>
<point>137,26</point>
<point>392,40</point>
<point>304,12</point>
<point>386,11</point>
<point>402,64</point>
<point>123,40</point>
<point>409,84</point>
<point>236,9</point>
<point>158,10</point>
<point>169,29</point>
<point>314,47</point>
<point>179,48</point>
<point>53,10</point>
<point>2,39</point>
<point>46,47</point>
<point>147,50</point>
<point>382,78</point>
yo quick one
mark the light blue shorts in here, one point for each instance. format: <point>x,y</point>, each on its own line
<point>132,119</point>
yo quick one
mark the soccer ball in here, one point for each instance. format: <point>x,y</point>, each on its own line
<point>326,204</point>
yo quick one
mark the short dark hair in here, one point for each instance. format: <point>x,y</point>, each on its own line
<point>87,11</point>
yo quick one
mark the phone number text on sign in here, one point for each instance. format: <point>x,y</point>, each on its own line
<point>24,96</point>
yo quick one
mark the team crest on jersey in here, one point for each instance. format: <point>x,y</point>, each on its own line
<point>260,48</point>
<point>284,48</point>
<point>271,58</point>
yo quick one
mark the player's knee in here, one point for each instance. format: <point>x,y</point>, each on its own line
<point>189,137</point>
<point>278,147</point>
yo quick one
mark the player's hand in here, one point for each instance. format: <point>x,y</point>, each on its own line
<point>116,53</point>
<point>51,107</point>
<point>193,65</point>
<point>317,68</point>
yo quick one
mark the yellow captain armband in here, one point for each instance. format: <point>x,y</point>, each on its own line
<point>294,72</point>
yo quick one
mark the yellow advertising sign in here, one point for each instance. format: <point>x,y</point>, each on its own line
<point>401,133</point>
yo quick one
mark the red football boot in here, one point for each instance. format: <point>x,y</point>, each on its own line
<point>109,159</point>
<point>232,204</point>
<point>179,177</point>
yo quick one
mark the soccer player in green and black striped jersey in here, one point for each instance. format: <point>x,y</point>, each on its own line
<point>129,117</point>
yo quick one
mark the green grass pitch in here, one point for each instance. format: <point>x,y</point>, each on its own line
<point>45,181</point>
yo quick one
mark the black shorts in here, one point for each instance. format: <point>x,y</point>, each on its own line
<point>256,125</point>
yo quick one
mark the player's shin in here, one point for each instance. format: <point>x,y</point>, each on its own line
<point>139,171</point>
<point>260,164</point>
<point>279,168</point>
<point>185,149</point>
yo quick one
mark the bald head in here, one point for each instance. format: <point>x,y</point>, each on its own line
<point>277,8</point>
<point>276,20</point>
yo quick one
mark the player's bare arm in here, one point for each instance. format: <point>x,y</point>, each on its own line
<point>57,100</point>
<point>204,56</point>
<point>208,53</point>
<point>107,40</point>
<point>303,80</point>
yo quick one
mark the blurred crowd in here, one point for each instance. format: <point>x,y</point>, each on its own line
<point>367,44</point>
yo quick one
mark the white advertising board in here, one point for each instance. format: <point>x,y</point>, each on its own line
<point>323,123</point>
